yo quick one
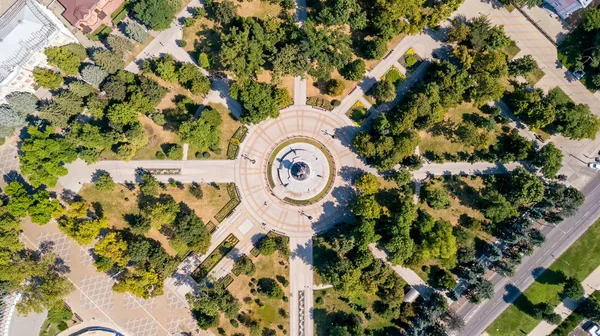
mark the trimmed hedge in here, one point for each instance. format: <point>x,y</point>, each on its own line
<point>120,13</point>
<point>100,33</point>
<point>211,227</point>
<point>235,141</point>
<point>566,326</point>
<point>228,208</point>
<point>319,102</point>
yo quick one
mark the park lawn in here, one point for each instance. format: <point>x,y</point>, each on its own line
<point>319,89</point>
<point>440,144</point>
<point>49,329</point>
<point>228,127</point>
<point>121,201</point>
<point>268,315</point>
<point>335,301</point>
<point>512,50</point>
<point>581,259</point>
<point>157,137</point>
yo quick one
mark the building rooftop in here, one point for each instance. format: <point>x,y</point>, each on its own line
<point>24,29</point>
<point>76,10</point>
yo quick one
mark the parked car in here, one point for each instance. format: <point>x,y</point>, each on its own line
<point>578,74</point>
<point>594,165</point>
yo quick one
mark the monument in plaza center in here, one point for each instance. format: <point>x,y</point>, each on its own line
<point>301,171</point>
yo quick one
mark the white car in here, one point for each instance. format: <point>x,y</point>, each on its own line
<point>594,165</point>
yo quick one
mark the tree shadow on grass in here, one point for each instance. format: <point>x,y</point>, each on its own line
<point>548,276</point>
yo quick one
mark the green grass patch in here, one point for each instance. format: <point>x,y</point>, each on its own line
<point>395,76</point>
<point>535,76</point>
<point>512,50</point>
<point>579,261</point>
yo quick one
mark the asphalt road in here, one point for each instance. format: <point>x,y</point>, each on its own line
<point>479,317</point>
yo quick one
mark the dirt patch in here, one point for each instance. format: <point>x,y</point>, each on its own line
<point>157,136</point>
<point>260,9</point>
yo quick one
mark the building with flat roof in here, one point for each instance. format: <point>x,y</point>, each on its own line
<point>26,29</point>
<point>564,8</point>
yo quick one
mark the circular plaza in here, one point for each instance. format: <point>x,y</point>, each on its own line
<point>292,171</point>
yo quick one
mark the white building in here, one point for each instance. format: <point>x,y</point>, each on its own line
<point>564,8</point>
<point>26,29</point>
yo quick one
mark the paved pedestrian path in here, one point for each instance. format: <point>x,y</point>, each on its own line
<point>565,308</point>
<point>301,287</point>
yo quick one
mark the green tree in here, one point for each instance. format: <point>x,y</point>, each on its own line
<point>270,288</point>
<point>136,32</point>
<point>384,91</point>
<point>225,11</point>
<point>367,184</point>
<point>59,314</point>
<point>157,14</point>
<point>549,158</point>
<point>497,208</point>
<point>111,250</point>
<point>375,49</point>
<point>289,61</point>
<point>445,279</point>
<point>164,67</point>
<point>523,187</point>
<point>118,44</point>
<point>81,89</point>
<point>335,87</point>
<point>522,66</point>
<point>68,57</point>
<point>82,230</point>
<point>573,289</point>
<point>436,197</point>
<point>23,103</point>
<point>122,114</point>
<point>200,134</point>
<point>577,122</point>
<point>109,61</point>
<point>104,182</point>
<point>47,78</point>
<point>366,206</point>
<point>190,229</point>
<point>257,100</point>
<point>93,74</point>
<point>354,70</point>
<point>459,33</point>
<point>161,212</point>
<point>141,283</point>
<point>209,301</point>
<point>267,246</point>
<point>43,156</point>
<point>192,79</point>
<point>591,19</point>
<point>244,266</point>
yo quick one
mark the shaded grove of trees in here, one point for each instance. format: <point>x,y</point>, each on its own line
<point>579,50</point>
<point>554,112</point>
<point>37,275</point>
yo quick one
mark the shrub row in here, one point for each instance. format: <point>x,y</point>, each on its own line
<point>101,32</point>
<point>320,102</point>
<point>226,280</point>
<point>120,13</point>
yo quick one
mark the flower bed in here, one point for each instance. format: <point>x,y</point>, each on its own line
<point>358,113</point>
<point>410,60</point>
<point>213,259</point>
<point>236,140</point>
<point>234,201</point>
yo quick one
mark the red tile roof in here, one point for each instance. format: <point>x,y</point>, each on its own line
<point>76,10</point>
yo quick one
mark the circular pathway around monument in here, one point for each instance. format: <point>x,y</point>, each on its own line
<point>256,176</point>
<point>300,171</point>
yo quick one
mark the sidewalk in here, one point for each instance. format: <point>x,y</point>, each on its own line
<point>565,308</point>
